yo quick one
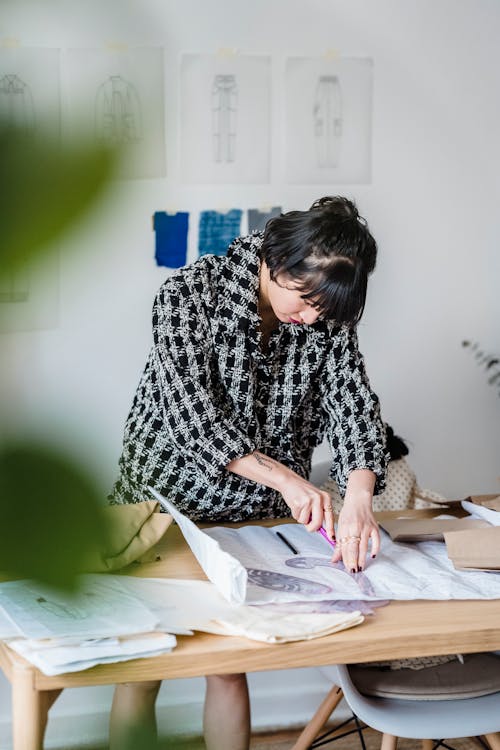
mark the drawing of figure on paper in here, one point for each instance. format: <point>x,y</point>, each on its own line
<point>62,610</point>
<point>118,113</point>
<point>224,111</point>
<point>308,563</point>
<point>327,121</point>
<point>16,103</point>
<point>14,287</point>
<point>270,579</point>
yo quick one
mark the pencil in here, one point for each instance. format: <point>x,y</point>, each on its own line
<point>288,544</point>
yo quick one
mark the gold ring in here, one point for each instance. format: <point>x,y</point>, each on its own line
<point>328,510</point>
<point>347,539</point>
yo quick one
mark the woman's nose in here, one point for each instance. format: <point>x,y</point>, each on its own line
<point>309,316</point>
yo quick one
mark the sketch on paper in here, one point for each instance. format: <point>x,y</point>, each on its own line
<point>16,103</point>
<point>118,95</point>
<point>14,287</point>
<point>328,120</point>
<point>309,563</point>
<point>271,579</point>
<point>225,119</point>
<point>29,88</point>
<point>224,109</point>
<point>118,115</point>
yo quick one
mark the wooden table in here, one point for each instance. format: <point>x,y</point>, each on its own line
<point>402,629</point>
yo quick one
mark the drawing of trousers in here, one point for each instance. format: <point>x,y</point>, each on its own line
<point>224,109</point>
<point>327,116</point>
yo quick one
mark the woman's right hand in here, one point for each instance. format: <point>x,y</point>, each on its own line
<point>308,504</point>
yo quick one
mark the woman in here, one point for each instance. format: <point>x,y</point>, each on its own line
<point>254,361</point>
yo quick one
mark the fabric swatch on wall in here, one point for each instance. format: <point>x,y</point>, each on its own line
<point>171,231</point>
<point>217,231</point>
<point>257,218</point>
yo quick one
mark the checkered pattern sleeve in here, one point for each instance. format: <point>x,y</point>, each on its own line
<point>355,430</point>
<point>183,362</point>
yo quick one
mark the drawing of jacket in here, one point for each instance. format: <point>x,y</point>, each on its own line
<point>327,116</point>
<point>118,116</point>
<point>224,110</point>
<point>16,102</point>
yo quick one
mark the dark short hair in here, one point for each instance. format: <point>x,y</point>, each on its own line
<point>327,252</point>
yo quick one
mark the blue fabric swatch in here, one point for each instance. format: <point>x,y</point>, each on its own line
<point>258,219</point>
<point>171,231</point>
<point>217,231</point>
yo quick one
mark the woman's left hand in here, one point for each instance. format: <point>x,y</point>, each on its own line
<point>356,528</point>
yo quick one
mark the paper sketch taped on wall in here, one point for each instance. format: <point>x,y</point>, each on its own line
<point>224,111</point>
<point>16,103</point>
<point>118,112</point>
<point>327,120</point>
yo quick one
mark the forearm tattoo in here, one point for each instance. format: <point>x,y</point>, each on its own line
<point>264,461</point>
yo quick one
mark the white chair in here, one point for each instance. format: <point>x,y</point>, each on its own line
<point>417,714</point>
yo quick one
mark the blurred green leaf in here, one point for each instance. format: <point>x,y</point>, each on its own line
<point>51,515</point>
<point>44,185</point>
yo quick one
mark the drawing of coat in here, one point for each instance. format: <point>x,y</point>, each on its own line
<point>16,102</point>
<point>327,116</point>
<point>118,116</point>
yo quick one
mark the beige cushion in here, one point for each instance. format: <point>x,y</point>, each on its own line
<point>399,493</point>
<point>479,675</point>
<point>132,530</point>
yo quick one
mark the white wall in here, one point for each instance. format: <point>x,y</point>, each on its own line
<point>432,205</point>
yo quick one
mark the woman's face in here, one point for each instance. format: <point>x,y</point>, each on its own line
<point>286,300</point>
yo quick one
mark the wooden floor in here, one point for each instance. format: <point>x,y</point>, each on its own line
<point>283,740</point>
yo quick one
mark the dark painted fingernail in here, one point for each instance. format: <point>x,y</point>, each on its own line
<point>374,556</point>
<point>360,570</point>
<point>353,570</point>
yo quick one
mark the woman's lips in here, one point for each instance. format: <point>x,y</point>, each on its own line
<point>292,320</point>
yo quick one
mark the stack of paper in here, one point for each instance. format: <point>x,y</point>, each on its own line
<point>103,622</point>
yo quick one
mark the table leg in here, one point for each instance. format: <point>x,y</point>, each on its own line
<point>30,708</point>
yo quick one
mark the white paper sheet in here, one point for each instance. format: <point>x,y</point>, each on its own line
<point>118,96</point>
<point>180,605</point>
<point>29,86</point>
<point>224,118</point>
<point>102,607</point>
<point>8,629</point>
<point>328,120</point>
<point>228,574</point>
<point>274,573</point>
<point>65,655</point>
<point>479,511</point>
<point>61,660</point>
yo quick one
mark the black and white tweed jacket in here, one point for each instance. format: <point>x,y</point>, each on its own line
<point>210,394</point>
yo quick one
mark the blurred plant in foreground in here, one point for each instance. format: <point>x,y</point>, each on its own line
<point>50,510</point>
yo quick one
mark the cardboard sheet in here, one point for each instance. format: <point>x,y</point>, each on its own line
<point>426,529</point>
<point>477,549</point>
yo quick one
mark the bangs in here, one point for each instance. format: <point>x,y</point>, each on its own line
<point>338,291</point>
